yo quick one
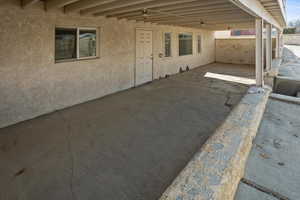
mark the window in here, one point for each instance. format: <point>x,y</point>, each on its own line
<point>199,44</point>
<point>87,43</point>
<point>75,43</point>
<point>185,44</point>
<point>65,44</point>
<point>167,44</point>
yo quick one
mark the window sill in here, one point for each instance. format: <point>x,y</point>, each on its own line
<point>75,60</point>
<point>186,55</point>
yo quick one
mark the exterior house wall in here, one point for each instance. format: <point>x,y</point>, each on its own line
<point>32,84</point>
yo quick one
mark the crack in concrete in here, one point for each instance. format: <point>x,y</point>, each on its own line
<point>264,189</point>
<point>70,149</point>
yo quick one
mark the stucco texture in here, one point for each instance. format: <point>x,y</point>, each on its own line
<point>32,84</point>
<point>238,51</point>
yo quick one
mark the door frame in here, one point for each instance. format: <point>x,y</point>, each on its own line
<point>135,64</point>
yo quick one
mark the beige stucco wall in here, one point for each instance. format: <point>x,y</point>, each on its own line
<point>238,51</point>
<point>31,84</point>
<point>291,39</point>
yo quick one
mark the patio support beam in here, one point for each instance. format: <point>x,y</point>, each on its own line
<point>81,5</point>
<point>51,4</point>
<point>25,3</point>
<point>269,47</point>
<point>115,5</point>
<point>140,6</point>
<point>259,70</point>
<point>277,44</point>
<point>281,44</point>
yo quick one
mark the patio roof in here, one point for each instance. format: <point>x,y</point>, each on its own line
<point>277,8</point>
<point>208,14</point>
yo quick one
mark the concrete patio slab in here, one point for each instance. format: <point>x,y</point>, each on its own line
<point>274,161</point>
<point>246,192</point>
<point>130,145</point>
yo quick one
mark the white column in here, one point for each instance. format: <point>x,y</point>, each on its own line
<point>259,70</point>
<point>269,47</point>
<point>277,43</point>
<point>281,44</point>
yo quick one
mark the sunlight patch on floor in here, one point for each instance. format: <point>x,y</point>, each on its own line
<point>235,79</point>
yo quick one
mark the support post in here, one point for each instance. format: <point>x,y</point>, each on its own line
<point>277,43</point>
<point>281,44</point>
<point>259,71</point>
<point>269,47</point>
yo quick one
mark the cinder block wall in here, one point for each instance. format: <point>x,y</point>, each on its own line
<point>237,50</point>
<point>31,84</point>
<point>291,39</point>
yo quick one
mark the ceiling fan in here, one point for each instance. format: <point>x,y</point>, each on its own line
<point>146,13</point>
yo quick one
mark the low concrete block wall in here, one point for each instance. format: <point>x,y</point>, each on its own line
<point>285,98</point>
<point>215,171</point>
<point>237,50</point>
<point>291,39</point>
<point>286,85</point>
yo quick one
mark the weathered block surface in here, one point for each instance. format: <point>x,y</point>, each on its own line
<point>246,192</point>
<point>275,159</point>
<point>215,171</point>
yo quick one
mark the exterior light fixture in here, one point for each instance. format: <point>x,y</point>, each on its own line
<point>145,13</point>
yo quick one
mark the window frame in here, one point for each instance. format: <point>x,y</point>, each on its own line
<point>199,50</point>
<point>78,29</point>
<point>164,44</point>
<point>186,33</point>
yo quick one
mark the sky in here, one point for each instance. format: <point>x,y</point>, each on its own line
<point>293,10</point>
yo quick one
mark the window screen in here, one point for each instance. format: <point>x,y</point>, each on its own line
<point>185,44</point>
<point>65,43</point>
<point>167,44</point>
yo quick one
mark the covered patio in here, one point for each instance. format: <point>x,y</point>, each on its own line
<point>93,131</point>
<point>130,145</point>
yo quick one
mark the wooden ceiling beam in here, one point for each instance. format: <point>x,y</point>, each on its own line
<point>207,22</point>
<point>138,14</point>
<point>51,4</point>
<point>85,4</point>
<point>151,4</point>
<point>26,3</point>
<point>113,6</point>
<point>199,19</point>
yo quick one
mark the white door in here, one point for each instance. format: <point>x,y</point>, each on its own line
<point>144,57</point>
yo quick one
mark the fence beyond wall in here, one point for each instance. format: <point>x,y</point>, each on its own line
<point>291,39</point>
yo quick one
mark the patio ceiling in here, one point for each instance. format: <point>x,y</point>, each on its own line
<point>208,14</point>
<point>276,8</point>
